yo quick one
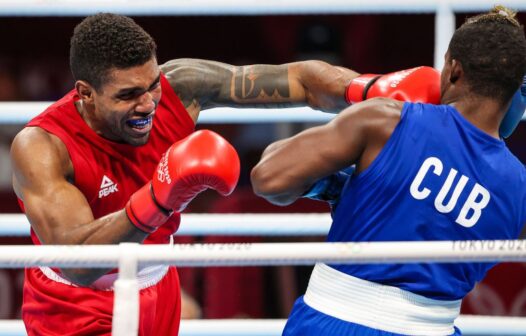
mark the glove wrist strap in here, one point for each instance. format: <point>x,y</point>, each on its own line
<point>358,88</point>
<point>144,211</point>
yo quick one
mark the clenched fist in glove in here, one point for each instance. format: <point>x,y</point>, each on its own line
<point>417,85</point>
<point>198,162</point>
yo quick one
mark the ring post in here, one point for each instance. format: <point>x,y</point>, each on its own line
<point>126,290</point>
<point>444,30</point>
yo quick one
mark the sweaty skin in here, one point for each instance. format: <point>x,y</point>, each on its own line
<point>123,109</point>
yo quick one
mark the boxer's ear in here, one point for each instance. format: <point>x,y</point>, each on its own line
<point>85,91</point>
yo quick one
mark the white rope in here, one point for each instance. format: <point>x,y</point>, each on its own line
<point>236,7</point>
<point>22,112</point>
<point>217,224</point>
<point>469,324</point>
<point>13,225</point>
<point>242,254</point>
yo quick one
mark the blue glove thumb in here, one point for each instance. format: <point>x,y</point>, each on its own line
<point>514,114</point>
<point>329,188</point>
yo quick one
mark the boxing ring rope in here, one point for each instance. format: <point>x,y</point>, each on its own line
<point>469,324</point>
<point>313,224</point>
<point>262,254</point>
<point>22,112</point>
<point>240,7</point>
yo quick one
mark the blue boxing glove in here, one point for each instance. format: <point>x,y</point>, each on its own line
<point>514,114</point>
<point>329,188</point>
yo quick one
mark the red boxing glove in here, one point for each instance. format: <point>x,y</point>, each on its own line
<point>200,161</point>
<point>417,85</point>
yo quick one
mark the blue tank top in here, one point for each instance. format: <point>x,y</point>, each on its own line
<point>438,177</point>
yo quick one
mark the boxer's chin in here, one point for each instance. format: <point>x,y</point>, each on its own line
<point>139,141</point>
<point>136,140</point>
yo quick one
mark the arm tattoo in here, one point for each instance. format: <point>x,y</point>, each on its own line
<point>262,82</point>
<point>197,82</point>
<point>206,84</point>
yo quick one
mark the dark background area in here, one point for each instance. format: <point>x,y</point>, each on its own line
<point>34,67</point>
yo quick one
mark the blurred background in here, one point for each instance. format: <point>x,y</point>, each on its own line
<point>34,67</point>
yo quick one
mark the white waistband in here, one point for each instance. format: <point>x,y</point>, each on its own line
<point>378,306</point>
<point>146,277</point>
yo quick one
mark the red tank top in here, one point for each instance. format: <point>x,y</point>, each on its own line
<point>106,172</point>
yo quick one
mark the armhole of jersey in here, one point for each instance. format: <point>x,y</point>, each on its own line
<point>387,147</point>
<point>75,160</point>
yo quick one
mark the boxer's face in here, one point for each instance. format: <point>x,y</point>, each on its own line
<point>125,104</point>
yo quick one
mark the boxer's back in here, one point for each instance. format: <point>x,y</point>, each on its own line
<point>437,178</point>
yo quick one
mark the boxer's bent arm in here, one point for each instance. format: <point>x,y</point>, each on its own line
<point>58,212</point>
<point>355,136</point>
<point>202,84</point>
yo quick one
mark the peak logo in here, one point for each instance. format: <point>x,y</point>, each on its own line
<point>107,187</point>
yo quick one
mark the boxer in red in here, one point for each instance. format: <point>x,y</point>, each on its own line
<point>116,160</point>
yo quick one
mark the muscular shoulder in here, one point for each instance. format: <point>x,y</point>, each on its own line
<point>35,139</point>
<point>36,153</point>
<point>374,117</point>
<point>373,122</point>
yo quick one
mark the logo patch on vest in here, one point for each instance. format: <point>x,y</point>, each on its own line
<point>107,187</point>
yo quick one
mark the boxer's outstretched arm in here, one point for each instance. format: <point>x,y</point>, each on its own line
<point>57,210</point>
<point>355,136</point>
<point>204,84</point>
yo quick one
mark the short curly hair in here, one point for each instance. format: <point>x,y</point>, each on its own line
<point>492,50</point>
<point>105,41</point>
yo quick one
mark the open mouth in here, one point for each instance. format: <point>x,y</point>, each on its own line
<point>140,125</point>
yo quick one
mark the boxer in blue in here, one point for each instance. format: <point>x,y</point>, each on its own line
<point>423,172</point>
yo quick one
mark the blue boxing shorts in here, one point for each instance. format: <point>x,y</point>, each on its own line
<point>351,303</point>
<point>305,321</point>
